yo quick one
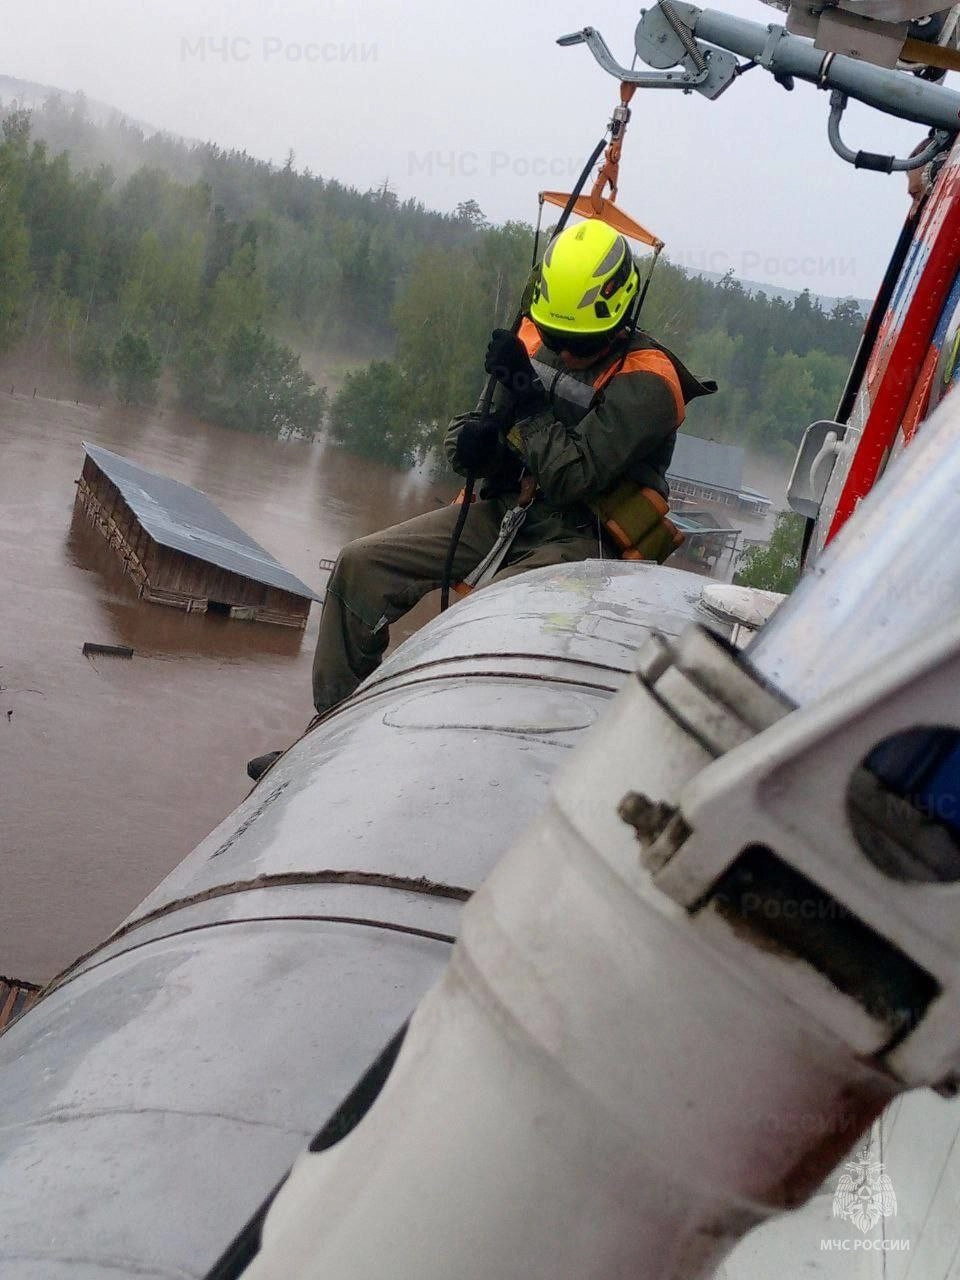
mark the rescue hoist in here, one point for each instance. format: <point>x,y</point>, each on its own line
<point>699,50</point>
<point>604,206</point>
<point>640,511</point>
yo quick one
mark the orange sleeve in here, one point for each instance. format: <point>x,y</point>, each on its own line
<point>651,361</point>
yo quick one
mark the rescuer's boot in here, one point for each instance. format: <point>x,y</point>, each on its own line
<point>259,765</point>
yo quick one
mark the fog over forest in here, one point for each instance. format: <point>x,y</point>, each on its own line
<point>145,265</point>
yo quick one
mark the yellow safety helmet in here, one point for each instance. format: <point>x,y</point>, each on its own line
<point>586,284</point>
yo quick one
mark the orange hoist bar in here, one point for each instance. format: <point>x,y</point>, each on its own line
<point>604,207</point>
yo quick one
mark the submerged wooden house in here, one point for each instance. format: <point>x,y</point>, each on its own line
<point>180,549</point>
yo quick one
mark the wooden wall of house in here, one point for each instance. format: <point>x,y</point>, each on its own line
<point>187,575</point>
<point>184,576</point>
<point>107,508</point>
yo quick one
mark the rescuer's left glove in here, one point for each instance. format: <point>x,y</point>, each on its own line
<point>509,363</point>
<point>478,441</point>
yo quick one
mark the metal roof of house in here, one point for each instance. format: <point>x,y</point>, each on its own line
<point>755,496</point>
<point>707,462</point>
<point>703,517</point>
<point>694,529</point>
<point>177,516</point>
<point>696,523</point>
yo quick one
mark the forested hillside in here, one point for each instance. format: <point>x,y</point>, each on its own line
<point>128,255</point>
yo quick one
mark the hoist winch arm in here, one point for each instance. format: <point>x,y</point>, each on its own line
<point>640,79</point>
<point>706,45</point>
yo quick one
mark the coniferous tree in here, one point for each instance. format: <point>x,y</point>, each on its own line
<point>136,368</point>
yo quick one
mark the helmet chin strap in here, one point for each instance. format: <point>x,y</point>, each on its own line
<point>629,327</point>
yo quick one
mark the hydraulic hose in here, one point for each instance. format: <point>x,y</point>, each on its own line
<point>869,159</point>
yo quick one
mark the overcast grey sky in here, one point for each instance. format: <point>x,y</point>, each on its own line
<point>452,102</point>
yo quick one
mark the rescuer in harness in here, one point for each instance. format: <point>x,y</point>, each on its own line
<point>575,451</point>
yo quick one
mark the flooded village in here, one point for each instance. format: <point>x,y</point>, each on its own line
<point>113,771</point>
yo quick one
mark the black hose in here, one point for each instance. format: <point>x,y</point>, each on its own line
<point>487,399</point>
<point>877,312</point>
<point>465,501</point>
<point>867,343</point>
<point>581,183</point>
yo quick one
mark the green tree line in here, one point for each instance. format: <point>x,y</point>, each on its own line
<point>780,364</point>
<point>134,255</point>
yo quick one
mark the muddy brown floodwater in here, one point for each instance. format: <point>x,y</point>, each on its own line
<point>111,770</point>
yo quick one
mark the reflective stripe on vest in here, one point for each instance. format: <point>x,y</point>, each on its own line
<point>564,386</point>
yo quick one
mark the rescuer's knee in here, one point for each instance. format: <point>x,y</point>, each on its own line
<point>350,563</point>
<point>357,585</point>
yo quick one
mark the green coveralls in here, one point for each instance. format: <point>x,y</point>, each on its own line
<point>575,452</point>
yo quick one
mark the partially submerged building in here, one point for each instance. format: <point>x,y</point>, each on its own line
<point>711,471</point>
<point>180,549</point>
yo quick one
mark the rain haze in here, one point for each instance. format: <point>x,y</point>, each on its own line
<point>610,916</point>
<point>478,102</point>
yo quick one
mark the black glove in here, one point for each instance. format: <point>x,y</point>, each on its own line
<point>478,441</point>
<point>509,363</point>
